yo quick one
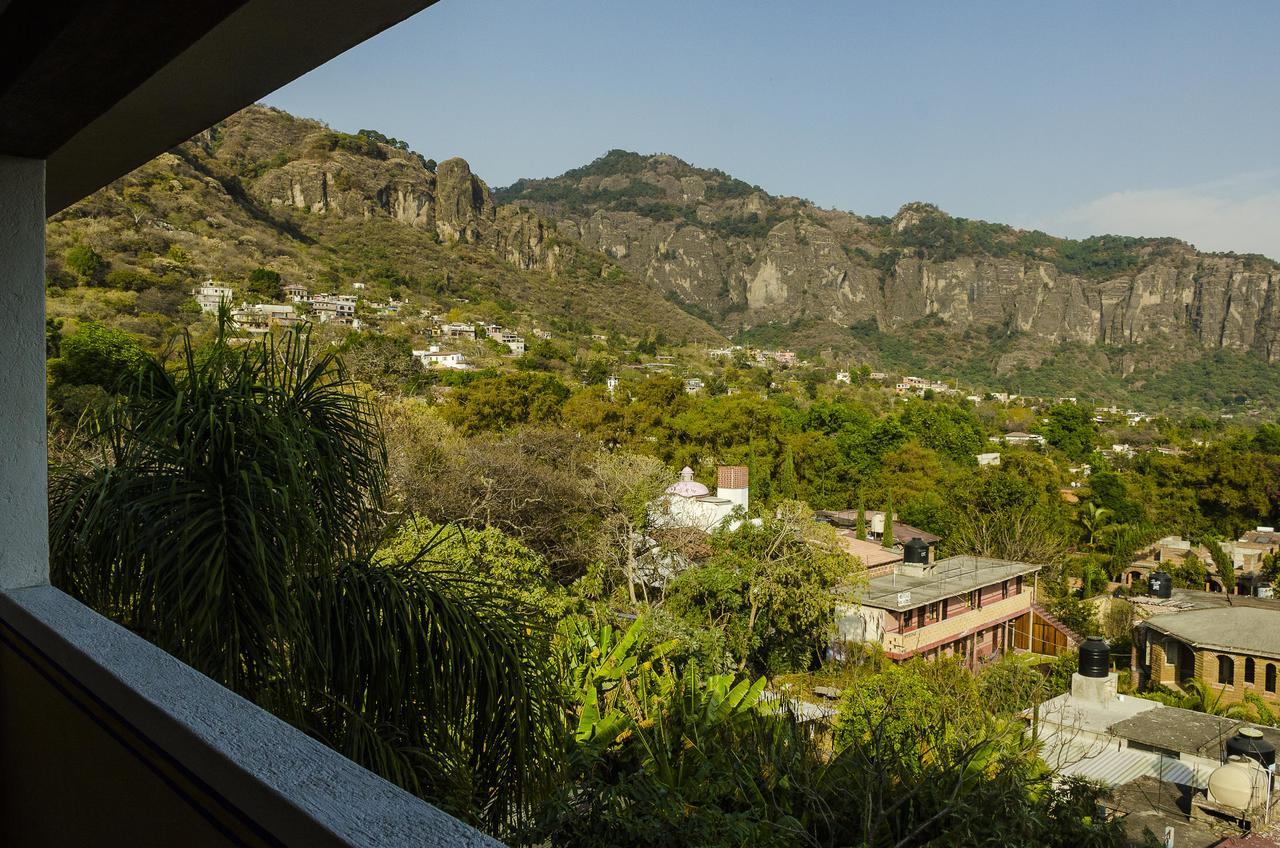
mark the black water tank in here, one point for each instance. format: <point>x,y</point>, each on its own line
<point>915,551</point>
<point>1248,742</point>
<point>1161,584</point>
<point>1095,658</point>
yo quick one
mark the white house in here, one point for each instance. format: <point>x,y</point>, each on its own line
<point>843,377</point>
<point>211,296</point>
<point>434,357</point>
<point>988,459</point>
<point>689,503</point>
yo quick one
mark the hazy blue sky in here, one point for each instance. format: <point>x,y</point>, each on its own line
<point>1158,118</point>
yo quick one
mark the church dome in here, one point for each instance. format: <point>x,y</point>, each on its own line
<point>687,487</point>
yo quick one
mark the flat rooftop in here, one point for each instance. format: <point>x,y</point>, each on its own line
<point>942,579</point>
<point>1185,731</point>
<point>1238,629</point>
<point>871,554</point>
<point>1065,712</point>
<point>1143,722</point>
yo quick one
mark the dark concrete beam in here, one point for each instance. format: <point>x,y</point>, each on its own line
<point>99,88</point>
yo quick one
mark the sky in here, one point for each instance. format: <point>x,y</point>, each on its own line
<point>1078,118</point>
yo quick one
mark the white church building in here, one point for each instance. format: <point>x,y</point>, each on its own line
<point>689,503</point>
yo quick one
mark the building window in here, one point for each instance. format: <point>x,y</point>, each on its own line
<point>1248,670</point>
<point>1271,677</point>
<point>1226,671</point>
<point>1004,589</point>
<point>1170,652</point>
<point>1017,586</point>
<point>943,604</point>
<point>908,619</point>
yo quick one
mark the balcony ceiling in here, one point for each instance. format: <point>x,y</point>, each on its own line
<point>98,88</point>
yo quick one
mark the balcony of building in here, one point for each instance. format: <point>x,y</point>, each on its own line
<point>104,738</point>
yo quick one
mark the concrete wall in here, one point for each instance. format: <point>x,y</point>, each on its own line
<point>24,554</point>
<point>107,740</point>
<point>71,773</point>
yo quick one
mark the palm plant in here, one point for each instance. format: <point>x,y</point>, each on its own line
<point>227,510</point>
<point>1093,518</point>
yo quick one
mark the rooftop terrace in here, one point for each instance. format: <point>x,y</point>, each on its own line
<point>943,579</point>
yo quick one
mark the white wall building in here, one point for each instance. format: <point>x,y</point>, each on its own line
<point>689,503</point>
<point>211,296</point>
<point>434,357</point>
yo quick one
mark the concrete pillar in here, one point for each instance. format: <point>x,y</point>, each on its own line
<point>24,511</point>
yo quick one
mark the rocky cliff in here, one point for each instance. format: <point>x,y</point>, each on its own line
<point>748,258</point>
<point>327,209</point>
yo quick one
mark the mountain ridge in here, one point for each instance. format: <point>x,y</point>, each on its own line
<point>328,209</point>
<point>748,258</point>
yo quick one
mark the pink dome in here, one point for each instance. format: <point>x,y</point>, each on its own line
<point>688,487</point>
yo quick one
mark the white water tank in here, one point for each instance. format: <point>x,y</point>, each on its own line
<point>1239,784</point>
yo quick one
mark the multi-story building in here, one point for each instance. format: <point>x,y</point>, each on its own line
<point>340,308</point>
<point>1234,650</point>
<point>261,317</point>
<point>210,296</point>
<point>297,293</point>
<point>458,330</point>
<point>973,607</point>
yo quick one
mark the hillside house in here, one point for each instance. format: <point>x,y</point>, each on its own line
<point>433,357</point>
<point>457,330</point>
<point>297,293</point>
<point>339,308</point>
<point>992,458</point>
<point>1017,437</point>
<point>973,607</point>
<point>510,338</point>
<point>693,385</point>
<point>1234,650</point>
<point>262,317</point>
<point>211,296</point>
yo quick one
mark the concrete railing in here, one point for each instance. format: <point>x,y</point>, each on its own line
<point>957,625</point>
<point>106,739</point>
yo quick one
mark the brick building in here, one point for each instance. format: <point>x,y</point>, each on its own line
<point>1234,650</point>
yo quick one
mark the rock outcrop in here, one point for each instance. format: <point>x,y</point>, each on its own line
<point>750,258</point>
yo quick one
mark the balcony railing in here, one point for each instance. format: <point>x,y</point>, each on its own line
<point>107,740</point>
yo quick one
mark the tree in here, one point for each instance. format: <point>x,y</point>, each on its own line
<point>497,403</point>
<point>771,588</point>
<point>227,511</point>
<point>1223,565</point>
<point>1069,427</point>
<point>1092,518</point>
<point>83,261</point>
<point>98,355</point>
<point>787,475</point>
<point>265,284</point>
<point>860,525</point>
<point>487,557</point>
<point>887,539</point>
<point>623,488</point>
<point>1190,573</point>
